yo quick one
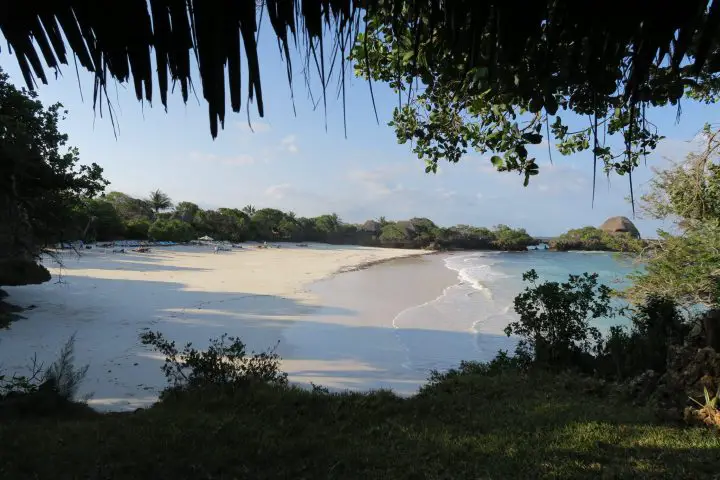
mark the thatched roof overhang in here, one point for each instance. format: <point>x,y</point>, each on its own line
<point>118,39</point>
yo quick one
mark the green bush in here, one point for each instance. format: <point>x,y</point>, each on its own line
<point>43,391</point>
<point>392,233</point>
<point>507,238</point>
<point>62,375</point>
<point>595,239</point>
<point>224,363</point>
<point>502,363</point>
<point>171,231</point>
<point>554,325</point>
<point>137,229</point>
<point>656,325</point>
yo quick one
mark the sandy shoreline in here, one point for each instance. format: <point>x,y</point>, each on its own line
<point>189,294</point>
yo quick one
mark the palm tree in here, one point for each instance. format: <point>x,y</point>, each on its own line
<point>249,209</point>
<point>159,200</point>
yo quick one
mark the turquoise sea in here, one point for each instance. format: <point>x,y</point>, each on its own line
<point>389,325</point>
<point>481,302</point>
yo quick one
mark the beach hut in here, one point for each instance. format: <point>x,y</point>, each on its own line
<point>206,239</point>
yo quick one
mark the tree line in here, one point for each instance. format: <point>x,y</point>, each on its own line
<point>117,215</point>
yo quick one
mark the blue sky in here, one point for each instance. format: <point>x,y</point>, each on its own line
<point>292,163</point>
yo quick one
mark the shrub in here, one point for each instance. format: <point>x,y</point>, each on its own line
<point>137,229</point>
<point>62,375</point>
<point>502,363</point>
<point>708,413</point>
<point>656,325</point>
<point>507,238</point>
<point>554,325</point>
<point>171,231</point>
<point>45,392</point>
<point>224,363</point>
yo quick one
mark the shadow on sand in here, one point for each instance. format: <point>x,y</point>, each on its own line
<point>108,315</point>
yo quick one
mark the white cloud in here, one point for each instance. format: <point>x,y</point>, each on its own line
<point>444,193</point>
<point>240,159</point>
<point>289,144</point>
<point>278,191</point>
<point>254,127</point>
<point>380,181</point>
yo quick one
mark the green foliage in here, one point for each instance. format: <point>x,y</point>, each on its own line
<point>501,237</point>
<point>392,233</point>
<point>596,239</point>
<point>685,268</point>
<point>45,392</point>
<point>225,363</point>
<point>104,223</point>
<point>288,228</point>
<point>327,224</point>
<point>159,200</point>
<point>118,215</point>
<point>656,325</point>
<point>186,211</point>
<point>64,377</point>
<point>503,363</point>
<point>42,183</point>
<point>506,238</point>
<point>130,208</point>
<point>20,384</point>
<point>265,222</point>
<point>223,224</point>
<point>171,231</point>
<point>532,425</point>
<point>137,229</point>
<point>688,191</point>
<point>455,102</point>
<point>555,319</point>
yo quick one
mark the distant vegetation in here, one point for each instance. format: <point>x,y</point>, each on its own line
<point>595,239</point>
<point>120,216</point>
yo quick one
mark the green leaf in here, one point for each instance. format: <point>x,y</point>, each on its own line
<point>497,161</point>
<point>534,138</point>
<point>551,105</point>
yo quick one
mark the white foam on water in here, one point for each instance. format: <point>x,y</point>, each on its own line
<point>465,322</point>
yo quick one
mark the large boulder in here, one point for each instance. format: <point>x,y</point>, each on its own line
<point>615,225</point>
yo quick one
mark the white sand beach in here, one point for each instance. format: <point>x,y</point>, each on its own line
<point>187,293</point>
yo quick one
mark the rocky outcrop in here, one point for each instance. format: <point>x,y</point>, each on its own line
<point>614,225</point>
<point>690,371</point>
<point>711,327</point>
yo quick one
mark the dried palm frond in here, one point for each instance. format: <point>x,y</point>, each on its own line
<point>116,38</point>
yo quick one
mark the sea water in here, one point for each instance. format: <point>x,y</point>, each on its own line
<point>480,304</point>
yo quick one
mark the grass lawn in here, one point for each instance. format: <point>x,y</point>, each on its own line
<point>505,426</point>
